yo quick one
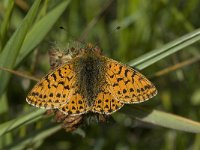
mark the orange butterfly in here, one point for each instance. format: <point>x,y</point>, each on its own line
<point>91,82</point>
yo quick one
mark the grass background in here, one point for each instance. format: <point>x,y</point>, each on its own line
<point>159,38</point>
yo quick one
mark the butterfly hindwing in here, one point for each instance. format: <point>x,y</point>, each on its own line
<point>53,90</point>
<point>127,84</point>
<point>105,103</point>
<point>76,105</point>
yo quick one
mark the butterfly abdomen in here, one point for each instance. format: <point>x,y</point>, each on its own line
<point>90,76</point>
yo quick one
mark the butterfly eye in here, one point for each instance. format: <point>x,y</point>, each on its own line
<point>98,50</point>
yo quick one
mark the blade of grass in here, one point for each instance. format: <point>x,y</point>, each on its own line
<point>5,24</point>
<point>4,104</point>
<point>163,119</point>
<point>40,29</point>
<point>24,119</point>
<point>20,74</point>
<point>13,46</point>
<point>176,66</point>
<point>166,50</point>
<point>34,137</point>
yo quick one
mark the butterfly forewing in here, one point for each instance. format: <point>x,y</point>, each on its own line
<point>127,84</point>
<point>53,90</point>
<point>105,103</point>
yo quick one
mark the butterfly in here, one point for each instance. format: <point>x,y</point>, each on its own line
<point>90,82</point>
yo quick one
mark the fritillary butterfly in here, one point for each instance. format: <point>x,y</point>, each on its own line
<point>90,82</point>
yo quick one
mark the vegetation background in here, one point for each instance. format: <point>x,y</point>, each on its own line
<point>160,38</point>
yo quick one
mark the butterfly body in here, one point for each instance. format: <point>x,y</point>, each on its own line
<point>90,75</point>
<point>91,82</point>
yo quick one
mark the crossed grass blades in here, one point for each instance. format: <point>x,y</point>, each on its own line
<point>86,81</point>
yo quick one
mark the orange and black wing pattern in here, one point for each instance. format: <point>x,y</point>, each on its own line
<point>128,85</point>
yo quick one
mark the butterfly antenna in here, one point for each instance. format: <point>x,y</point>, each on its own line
<point>109,35</point>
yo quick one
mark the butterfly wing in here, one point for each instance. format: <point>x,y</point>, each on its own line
<point>76,105</point>
<point>127,84</point>
<point>105,103</point>
<point>54,89</point>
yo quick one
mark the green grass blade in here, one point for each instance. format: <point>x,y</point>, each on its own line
<point>34,137</point>
<point>12,48</point>
<point>166,50</point>
<point>25,119</point>
<point>40,29</point>
<point>3,104</point>
<point>163,119</point>
<point>5,23</point>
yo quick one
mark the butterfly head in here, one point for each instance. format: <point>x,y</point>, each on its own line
<point>90,49</point>
<point>79,50</point>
